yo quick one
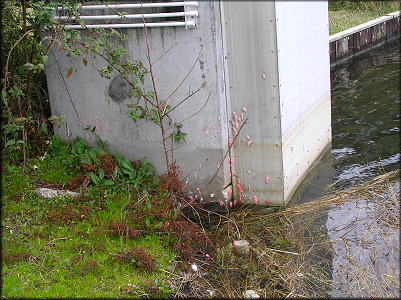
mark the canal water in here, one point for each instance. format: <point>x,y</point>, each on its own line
<point>328,243</point>
<point>365,95</point>
<point>364,232</point>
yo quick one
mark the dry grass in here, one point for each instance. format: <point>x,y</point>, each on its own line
<point>345,244</point>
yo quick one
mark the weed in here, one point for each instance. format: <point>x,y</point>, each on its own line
<point>17,182</point>
<point>171,181</point>
<point>138,257</point>
<point>156,290</point>
<point>90,266</point>
<point>67,214</point>
<point>9,257</point>
<point>23,100</point>
<point>107,164</point>
<point>281,242</point>
<point>131,212</point>
<point>117,228</point>
<point>189,239</point>
<point>79,181</point>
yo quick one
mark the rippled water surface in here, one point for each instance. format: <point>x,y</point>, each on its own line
<point>365,95</point>
<point>366,115</point>
<point>364,231</point>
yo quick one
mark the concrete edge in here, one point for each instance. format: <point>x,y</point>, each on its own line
<point>355,29</point>
<point>364,37</point>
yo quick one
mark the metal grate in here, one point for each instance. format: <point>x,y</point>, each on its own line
<point>134,15</point>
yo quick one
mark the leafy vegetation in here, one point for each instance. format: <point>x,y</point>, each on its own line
<point>347,14</point>
<point>25,109</point>
<point>106,45</point>
<point>120,237</point>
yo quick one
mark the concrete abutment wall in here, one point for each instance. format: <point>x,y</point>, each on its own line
<point>254,63</point>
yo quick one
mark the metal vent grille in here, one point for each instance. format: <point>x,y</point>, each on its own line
<point>134,15</point>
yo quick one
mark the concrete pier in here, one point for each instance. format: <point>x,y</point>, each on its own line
<point>277,66</point>
<point>256,64</point>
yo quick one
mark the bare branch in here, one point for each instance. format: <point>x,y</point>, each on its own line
<point>222,216</point>
<point>228,150</point>
<point>9,55</point>
<point>159,111</point>
<point>172,88</point>
<point>186,98</point>
<point>117,69</point>
<point>173,149</point>
<point>164,53</point>
<point>207,100</point>
<point>190,71</point>
<point>68,93</point>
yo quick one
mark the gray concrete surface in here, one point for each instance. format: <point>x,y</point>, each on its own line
<point>240,65</point>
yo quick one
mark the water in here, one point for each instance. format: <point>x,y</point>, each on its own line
<point>365,95</point>
<point>366,115</point>
<point>366,246</point>
<point>363,233</point>
<point>348,248</point>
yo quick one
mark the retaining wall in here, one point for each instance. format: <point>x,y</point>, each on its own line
<point>363,37</point>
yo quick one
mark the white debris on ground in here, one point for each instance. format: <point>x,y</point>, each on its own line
<point>194,267</point>
<point>51,193</point>
<point>250,294</point>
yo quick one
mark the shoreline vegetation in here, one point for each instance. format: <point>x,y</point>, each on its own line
<point>127,242</point>
<point>122,238</point>
<point>346,14</point>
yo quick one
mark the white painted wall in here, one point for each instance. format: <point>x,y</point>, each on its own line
<point>303,60</point>
<point>277,66</point>
<point>304,86</point>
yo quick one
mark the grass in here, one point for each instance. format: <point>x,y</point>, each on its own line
<point>346,14</point>
<point>112,241</point>
<point>292,255</point>
<point>124,240</point>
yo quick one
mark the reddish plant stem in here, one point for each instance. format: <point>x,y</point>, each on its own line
<point>26,104</point>
<point>24,128</point>
<point>159,108</point>
<point>6,69</point>
<point>228,151</point>
<point>186,98</point>
<point>69,95</point>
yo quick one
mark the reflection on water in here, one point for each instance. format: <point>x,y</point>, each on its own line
<point>365,239</point>
<point>365,95</point>
<point>366,115</point>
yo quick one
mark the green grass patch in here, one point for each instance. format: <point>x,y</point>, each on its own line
<point>346,14</point>
<point>108,242</point>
